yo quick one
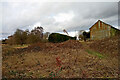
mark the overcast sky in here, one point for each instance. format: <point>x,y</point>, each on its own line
<point>56,16</point>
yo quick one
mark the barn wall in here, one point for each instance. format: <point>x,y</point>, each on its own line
<point>114,32</point>
<point>99,31</point>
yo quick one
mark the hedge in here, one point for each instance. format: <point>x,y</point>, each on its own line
<point>56,37</point>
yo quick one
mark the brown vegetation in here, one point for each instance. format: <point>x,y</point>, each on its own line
<point>70,59</point>
<point>108,46</point>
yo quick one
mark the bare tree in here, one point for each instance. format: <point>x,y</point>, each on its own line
<point>65,31</point>
<point>36,35</point>
<point>38,31</point>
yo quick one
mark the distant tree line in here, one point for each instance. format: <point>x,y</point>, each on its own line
<point>21,37</point>
<point>36,35</point>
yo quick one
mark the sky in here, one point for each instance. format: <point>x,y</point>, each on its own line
<point>55,16</point>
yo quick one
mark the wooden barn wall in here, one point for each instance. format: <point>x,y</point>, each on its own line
<point>99,31</point>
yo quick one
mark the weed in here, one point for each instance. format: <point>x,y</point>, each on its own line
<point>95,53</point>
<point>12,72</point>
<point>30,73</point>
<point>19,46</point>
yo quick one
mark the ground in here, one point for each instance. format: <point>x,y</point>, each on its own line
<point>70,59</point>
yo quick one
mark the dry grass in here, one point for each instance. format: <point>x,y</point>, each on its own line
<point>76,63</point>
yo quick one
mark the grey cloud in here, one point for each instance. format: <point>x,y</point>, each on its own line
<point>24,14</point>
<point>102,10</point>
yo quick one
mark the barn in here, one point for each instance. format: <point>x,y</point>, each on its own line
<point>101,30</point>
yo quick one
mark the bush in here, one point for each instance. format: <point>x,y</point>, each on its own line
<point>56,37</point>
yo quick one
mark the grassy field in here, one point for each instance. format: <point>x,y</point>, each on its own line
<point>70,59</point>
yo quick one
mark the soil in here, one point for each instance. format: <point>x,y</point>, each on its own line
<point>68,59</point>
<point>109,46</point>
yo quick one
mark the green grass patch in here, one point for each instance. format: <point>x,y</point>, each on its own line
<point>20,46</point>
<point>95,53</point>
<point>13,72</point>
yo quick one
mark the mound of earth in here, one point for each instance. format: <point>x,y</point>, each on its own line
<point>108,45</point>
<point>72,44</point>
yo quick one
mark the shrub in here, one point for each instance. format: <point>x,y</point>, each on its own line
<point>56,37</point>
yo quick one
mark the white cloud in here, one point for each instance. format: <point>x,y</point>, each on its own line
<point>62,17</point>
<point>36,24</point>
<point>71,33</point>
